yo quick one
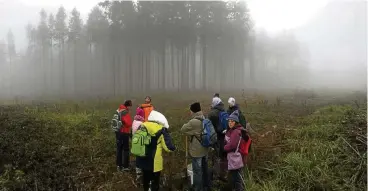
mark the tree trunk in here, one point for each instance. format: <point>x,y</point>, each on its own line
<point>148,70</point>
<point>63,89</point>
<point>90,70</point>
<point>75,69</point>
<point>50,69</point>
<point>113,72</point>
<point>163,74</point>
<point>252,63</point>
<point>193,65</point>
<point>204,61</point>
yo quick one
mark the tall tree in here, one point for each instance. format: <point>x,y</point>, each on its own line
<point>32,38</point>
<point>51,39</point>
<point>2,54</point>
<point>11,54</point>
<point>61,32</point>
<point>43,43</point>
<point>74,35</point>
<point>11,46</point>
<point>164,42</point>
<point>51,35</point>
<point>97,33</point>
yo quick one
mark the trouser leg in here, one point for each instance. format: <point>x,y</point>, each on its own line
<point>119,149</point>
<point>126,151</point>
<point>155,186</point>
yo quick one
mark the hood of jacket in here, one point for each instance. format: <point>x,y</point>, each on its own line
<point>158,117</point>
<point>219,107</point>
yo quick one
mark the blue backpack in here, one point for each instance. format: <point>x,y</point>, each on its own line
<point>208,134</point>
<point>223,120</point>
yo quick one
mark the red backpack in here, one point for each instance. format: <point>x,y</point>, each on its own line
<point>245,144</point>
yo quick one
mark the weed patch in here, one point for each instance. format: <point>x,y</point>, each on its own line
<point>322,153</point>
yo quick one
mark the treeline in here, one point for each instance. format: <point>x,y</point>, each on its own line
<point>142,46</point>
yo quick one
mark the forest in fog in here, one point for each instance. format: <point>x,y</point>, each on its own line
<point>125,47</point>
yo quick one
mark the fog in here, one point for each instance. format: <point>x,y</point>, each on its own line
<point>119,48</point>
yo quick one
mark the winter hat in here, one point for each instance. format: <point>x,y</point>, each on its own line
<point>139,111</point>
<point>234,116</point>
<point>216,95</point>
<point>195,107</point>
<point>231,101</point>
<point>215,101</point>
<point>128,103</point>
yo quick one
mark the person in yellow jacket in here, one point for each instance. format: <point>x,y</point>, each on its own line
<point>152,164</point>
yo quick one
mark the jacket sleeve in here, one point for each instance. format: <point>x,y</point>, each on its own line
<point>188,128</point>
<point>167,143</point>
<point>233,143</point>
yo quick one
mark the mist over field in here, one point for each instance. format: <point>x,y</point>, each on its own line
<point>123,47</point>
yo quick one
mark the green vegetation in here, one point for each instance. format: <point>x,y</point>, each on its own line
<point>315,143</point>
<point>326,152</point>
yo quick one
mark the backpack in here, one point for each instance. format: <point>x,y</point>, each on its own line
<point>116,122</point>
<point>223,120</point>
<point>245,144</point>
<point>208,134</point>
<point>140,140</point>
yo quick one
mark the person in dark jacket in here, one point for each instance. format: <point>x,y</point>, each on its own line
<point>122,137</point>
<point>216,107</point>
<point>233,107</point>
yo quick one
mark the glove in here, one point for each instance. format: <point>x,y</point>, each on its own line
<point>224,131</point>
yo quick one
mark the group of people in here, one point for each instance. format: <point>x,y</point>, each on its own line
<point>232,146</point>
<point>149,129</point>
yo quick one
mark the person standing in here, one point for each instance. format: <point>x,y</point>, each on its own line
<point>122,137</point>
<point>156,128</point>
<point>138,120</point>
<point>147,107</point>
<point>198,152</point>
<point>217,107</point>
<point>234,140</point>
